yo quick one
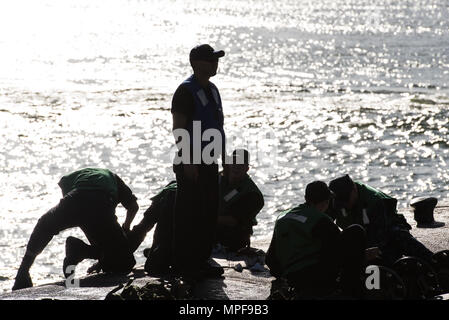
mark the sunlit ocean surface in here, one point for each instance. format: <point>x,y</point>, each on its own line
<point>314,89</point>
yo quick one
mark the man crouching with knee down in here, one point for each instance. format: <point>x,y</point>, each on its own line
<point>310,251</point>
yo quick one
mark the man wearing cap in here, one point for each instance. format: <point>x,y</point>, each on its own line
<point>376,212</point>
<point>197,111</point>
<point>240,202</point>
<point>90,196</point>
<point>309,250</point>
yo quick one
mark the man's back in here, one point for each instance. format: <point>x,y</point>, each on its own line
<point>89,179</point>
<point>295,243</point>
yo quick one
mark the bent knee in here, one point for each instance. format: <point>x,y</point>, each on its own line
<point>118,264</point>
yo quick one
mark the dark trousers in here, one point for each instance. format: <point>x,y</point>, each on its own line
<point>195,218</point>
<point>401,243</point>
<point>160,213</point>
<point>347,259</point>
<point>234,238</point>
<point>94,213</point>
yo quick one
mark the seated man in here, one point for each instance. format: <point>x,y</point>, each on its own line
<point>309,251</point>
<point>90,197</point>
<point>376,212</point>
<point>240,201</point>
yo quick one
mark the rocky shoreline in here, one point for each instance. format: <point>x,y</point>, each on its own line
<point>237,283</point>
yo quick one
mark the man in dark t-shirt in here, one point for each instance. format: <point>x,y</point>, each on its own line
<point>90,197</point>
<point>197,108</point>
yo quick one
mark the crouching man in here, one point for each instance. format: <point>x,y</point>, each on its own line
<point>309,251</point>
<point>90,197</point>
<point>358,203</point>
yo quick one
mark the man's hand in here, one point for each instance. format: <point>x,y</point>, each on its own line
<point>130,214</point>
<point>372,253</point>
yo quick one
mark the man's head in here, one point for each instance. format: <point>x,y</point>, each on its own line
<point>345,191</point>
<point>318,195</point>
<point>236,166</point>
<point>204,60</point>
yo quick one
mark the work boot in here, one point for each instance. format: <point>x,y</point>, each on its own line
<point>75,252</point>
<point>23,280</point>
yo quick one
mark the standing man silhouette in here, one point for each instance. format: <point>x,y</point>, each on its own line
<point>197,110</point>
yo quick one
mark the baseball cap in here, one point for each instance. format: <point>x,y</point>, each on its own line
<point>317,191</point>
<point>206,53</point>
<point>342,188</point>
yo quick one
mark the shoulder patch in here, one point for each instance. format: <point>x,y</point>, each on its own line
<point>230,195</point>
<point>202,96</point>
<point>215,94</point>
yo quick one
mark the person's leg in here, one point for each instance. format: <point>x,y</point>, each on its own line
<point>159,256</point>
<point>105,234</point>
<point>404,244</point>
<point>208,222</point>
<point>186,221</point>
<point>234,238</point>
<point>60,217</point>
<point>109,240</point>
<point>76,250</point>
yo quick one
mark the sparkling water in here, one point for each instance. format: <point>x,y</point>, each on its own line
<point>315,89</point>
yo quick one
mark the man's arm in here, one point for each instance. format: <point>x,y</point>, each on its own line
<point>243,211</point>
<point>180,122</point>
<point>128,200</point>
<point>130,214</point>
<point>182,110</point>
